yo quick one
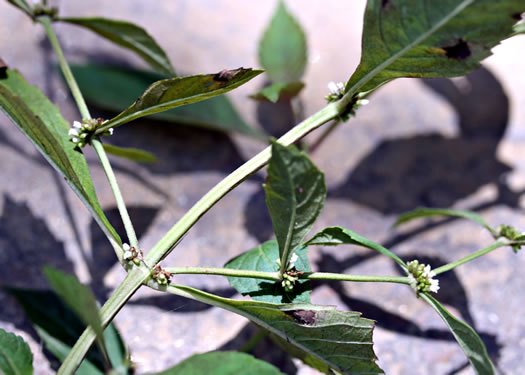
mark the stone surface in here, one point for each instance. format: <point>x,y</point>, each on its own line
<point>417,143</point>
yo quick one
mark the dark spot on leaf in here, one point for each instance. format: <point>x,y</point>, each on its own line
<point>307,317</point>
<point>516,16</point>
<point>384,3</point>
<point>223,76</point>
<point>459,51</point>
<point>3,69</point>
<point>226,75</point>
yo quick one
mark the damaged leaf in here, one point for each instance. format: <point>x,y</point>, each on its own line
<point>429,38</point>
<point>321,336</point>
<point>175,92</point>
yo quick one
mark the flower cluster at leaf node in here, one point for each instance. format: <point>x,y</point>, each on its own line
<point>421,278</point>
<point>82,132</point>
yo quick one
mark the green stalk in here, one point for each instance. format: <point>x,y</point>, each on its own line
<point>475,255</point>
<point>355,278</point>
<point>84,112</point>
<point>224,272</point>
<point>135,279</point>
<point>174,235</point>
<point>326,132</point>
<point>274,276</point>
<point>130,231</point>
<point>68,74</point>
<point>126,289</point>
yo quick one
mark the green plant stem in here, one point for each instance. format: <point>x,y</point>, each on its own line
<point>132,282</point>
<point>224,272</point>
<point>135,278</point>
<point>130,231</point>
<point>326,132</point>
<point>64,66</point>
<point>174,235</point>
<point>275,275</point>
<point>475,255</point>
<point>84,112</point>
<point>355,278</point>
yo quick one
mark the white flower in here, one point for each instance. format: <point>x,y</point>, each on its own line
<point>110,130</point>
<point>73,132</point>
<point>293,259</point>
<point>77,125</point>
<point>434,285</point>
<point>336,88</point>
<point>128,253</point>
<point>421,278</point>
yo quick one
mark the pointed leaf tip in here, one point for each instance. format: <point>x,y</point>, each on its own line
<point>295,195</point>
<point>282,49</point>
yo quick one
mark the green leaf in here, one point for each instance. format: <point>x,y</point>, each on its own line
<point>113,88</point>
<point>412,38</point>
<point>263,258</point>
<point>466,337</point>
<point>15,356</point>
<point>129,36</point>
<point>333,236</point>
<point>428,212</point>
<point>134,154</point>
<point>42,123</point>
<point>321,336</point>
<point>48,313</point>
<point>282,49</point>
<point>78,298</point>
<point>61,350</point>
<point>23,5</point>
<point>222,363</point>
<point>117,351</point>
<point>295,194</point>
<point>175,92</point>
<point>279,91</point>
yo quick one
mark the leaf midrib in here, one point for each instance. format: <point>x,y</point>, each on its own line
<point>371,74</point>
<point>136,114</point>
<point>291,224</point>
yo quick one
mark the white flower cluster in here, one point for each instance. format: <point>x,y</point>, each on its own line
<point>81,132</point>
<point>289,278</point>
<point>421,278</point>
<point>337,90</point>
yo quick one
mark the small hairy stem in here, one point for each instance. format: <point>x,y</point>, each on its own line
<point>224,272</point>
<point>84,112</point>
<point>174,235</point>
<point>356,278</point>
<point>326,132</point>
<point>477,254</point>
<point>64,66</point>
<point>275,275</point>
<point>130,231</point>
<point>126,289</point>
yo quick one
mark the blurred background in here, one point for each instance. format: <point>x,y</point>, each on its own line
<point>439,143</point>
